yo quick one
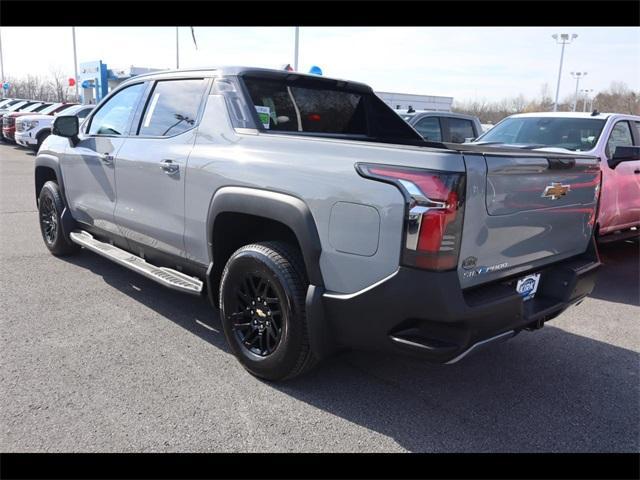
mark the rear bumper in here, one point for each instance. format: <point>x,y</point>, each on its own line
<point>428,314</point>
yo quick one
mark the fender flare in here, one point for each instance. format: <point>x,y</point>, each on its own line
<point>51,162</point>
<point>48,161</point>
<point>286,209</point>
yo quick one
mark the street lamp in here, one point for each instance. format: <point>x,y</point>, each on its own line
<point>586,93</point>
<point>75,62</point>
<point>295,52</point>
<point>563,39</point>
<point>577,76</point>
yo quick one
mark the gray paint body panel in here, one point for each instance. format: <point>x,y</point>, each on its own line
<point>319,171</point>
<point>518,240</point>
<point>354,228</point>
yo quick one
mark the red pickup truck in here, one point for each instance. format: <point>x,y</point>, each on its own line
<point>612,137</point>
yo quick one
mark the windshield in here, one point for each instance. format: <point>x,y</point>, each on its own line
<point>323,107</point>
<point>576,134</point>
<point>50,108</point>
<point>16,106</point>
<point>33,108</point>
<point>70,109</point>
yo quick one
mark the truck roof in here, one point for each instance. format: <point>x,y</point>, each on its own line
<point>234,70</point>
<point>441,113</point>
<point>599,115</point>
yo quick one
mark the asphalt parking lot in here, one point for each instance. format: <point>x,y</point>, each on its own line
<point>94,357</point>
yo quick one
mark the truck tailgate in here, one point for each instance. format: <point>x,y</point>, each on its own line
<point>524,212</point>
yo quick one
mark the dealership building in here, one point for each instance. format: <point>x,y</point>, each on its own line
<point>402,101</point>
<point>96,80</point>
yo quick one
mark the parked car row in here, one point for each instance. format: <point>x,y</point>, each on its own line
<point>28,122</point>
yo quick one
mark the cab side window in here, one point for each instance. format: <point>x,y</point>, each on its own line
<point>429,128</point>
<point>460,129</point>
<point>114,117</point>
<point>172,107</point>
<point>620,136</point>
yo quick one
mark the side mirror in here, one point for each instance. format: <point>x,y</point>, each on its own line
<point>67,126</point>
<point>624,154</point>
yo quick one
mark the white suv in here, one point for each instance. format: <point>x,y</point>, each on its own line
<point>31,130</point>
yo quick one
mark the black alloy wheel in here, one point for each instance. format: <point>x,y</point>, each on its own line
<point>262,310</point>
<point>49,220</point>
<point>258,317</point>
<point>50,208</point>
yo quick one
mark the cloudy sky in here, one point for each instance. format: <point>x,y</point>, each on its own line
<point>462,62</point>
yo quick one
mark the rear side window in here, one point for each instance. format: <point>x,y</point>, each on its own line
<point>284,107</point>
<point>460,129</point>
<point>172,107</point>
<point>429,128</point>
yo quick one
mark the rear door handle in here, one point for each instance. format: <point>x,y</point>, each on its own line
<point>636,171</point>
<point>106,158</point>
<point>169,167</point>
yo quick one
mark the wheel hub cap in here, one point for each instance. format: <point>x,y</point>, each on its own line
<point>257,318</point>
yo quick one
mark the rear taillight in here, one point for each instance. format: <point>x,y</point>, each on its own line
<point>435,206</point>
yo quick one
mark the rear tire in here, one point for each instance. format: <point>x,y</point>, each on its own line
<point>50,208</point>
<point>262,310</point>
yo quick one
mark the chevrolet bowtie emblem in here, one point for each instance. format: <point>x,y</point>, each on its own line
<point>556,190</point>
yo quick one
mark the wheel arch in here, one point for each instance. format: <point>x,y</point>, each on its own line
<point>46,130</point>
<point>286,214</point>
<point>47,168</point>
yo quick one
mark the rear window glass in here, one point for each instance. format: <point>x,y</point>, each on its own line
<point>286,107</point>
<point>319,107</point>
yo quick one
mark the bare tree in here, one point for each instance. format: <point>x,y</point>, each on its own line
<point>58,85</point>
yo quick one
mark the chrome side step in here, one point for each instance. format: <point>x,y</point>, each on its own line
<point>165,276</point>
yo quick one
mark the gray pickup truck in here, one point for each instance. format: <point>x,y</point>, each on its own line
<point>315,218</point>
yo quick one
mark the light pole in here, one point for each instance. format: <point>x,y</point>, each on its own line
<point>75,62</point>
<point>577,76</point>
<point>586,92</point>
<point>1,64</point>
<point>295,52</point>
<point>177,51</point>
<point>563,39</point>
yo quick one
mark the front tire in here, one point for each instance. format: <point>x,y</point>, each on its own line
<point>42,136</point>
<point>50,208</point>
<point>262,310</point>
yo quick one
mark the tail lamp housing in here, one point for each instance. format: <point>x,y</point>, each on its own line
<point>433,214</point>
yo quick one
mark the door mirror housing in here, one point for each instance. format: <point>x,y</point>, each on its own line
<point>624,154</point>
<point>67,126</point>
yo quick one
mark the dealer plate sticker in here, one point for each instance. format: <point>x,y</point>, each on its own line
<point>528,286</point>
<point>264,113</point>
